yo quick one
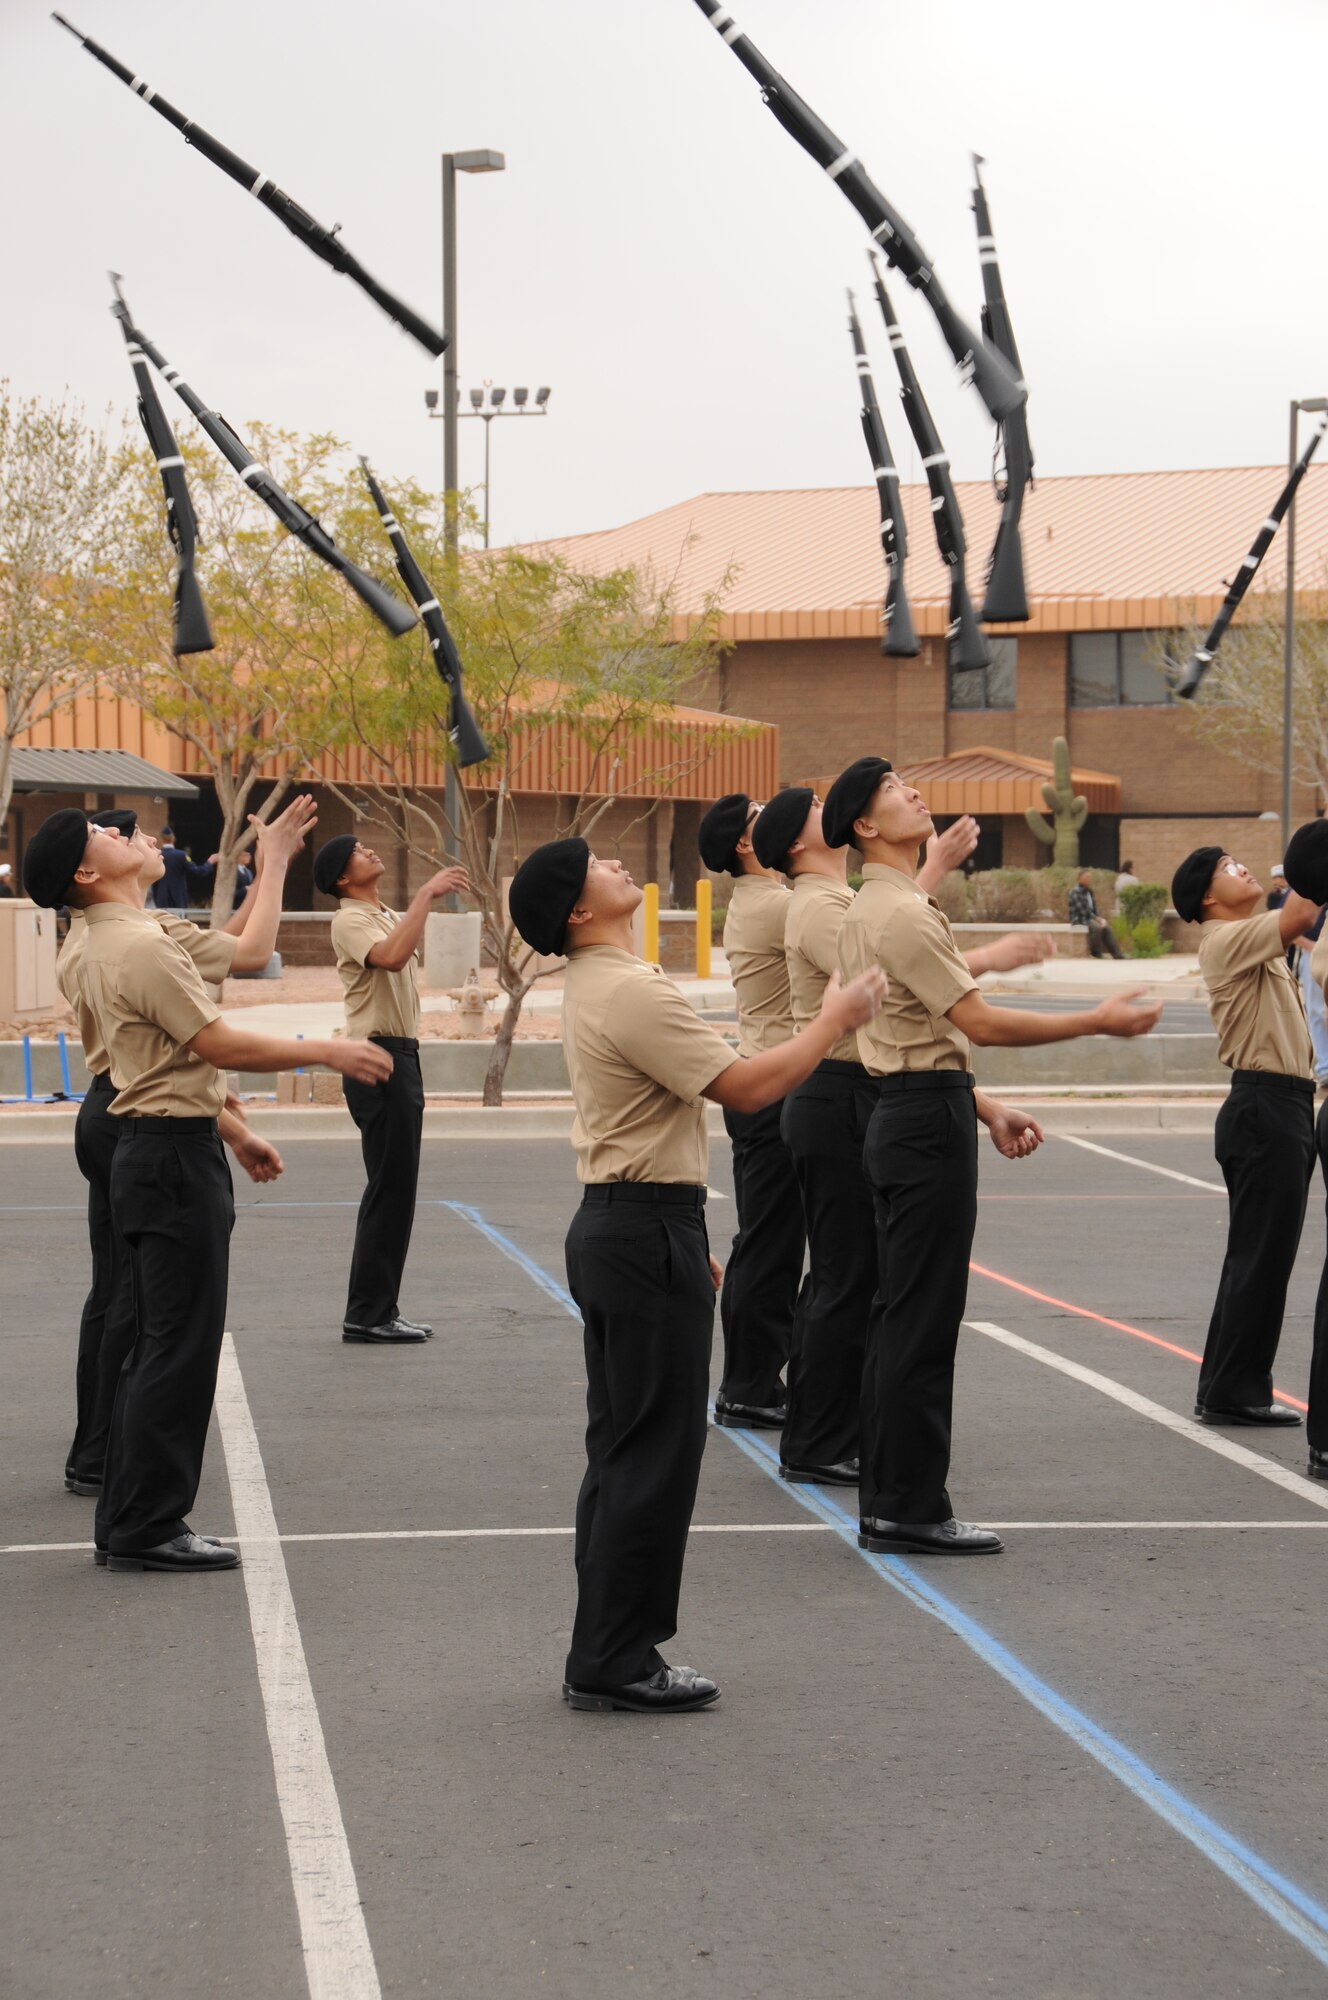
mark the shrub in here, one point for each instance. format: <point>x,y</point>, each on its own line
<point>1002,896</point>
<point>1143,939</point>
<point>1141,901</point>
<point>951,892</point>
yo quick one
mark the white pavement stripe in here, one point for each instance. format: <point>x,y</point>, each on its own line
<point>1151,1166</point>
<point>1185,1427</point>
<point>338,1958</point>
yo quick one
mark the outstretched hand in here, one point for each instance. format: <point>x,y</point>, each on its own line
<point>1014,1134</point>
<point>852,1006</point>
<point>1127,1014</point>
<point>1018,948</point>
<point>280,840</point>
<point>449,882</point>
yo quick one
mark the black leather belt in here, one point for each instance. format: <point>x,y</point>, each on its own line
<point>173,1128</point>
<point>397,1045</point>
<point>666,1194</point>
<point>926,1079</point>
<point>103,1082</point>
<point>1271,1079</point>
<point>832,1066</point>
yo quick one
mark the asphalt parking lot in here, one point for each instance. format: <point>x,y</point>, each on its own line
<point>1089,1767</point>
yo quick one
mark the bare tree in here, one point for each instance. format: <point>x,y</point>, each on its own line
<point>62,486</point>
<point>569,674</point>
<point>1239,705</point>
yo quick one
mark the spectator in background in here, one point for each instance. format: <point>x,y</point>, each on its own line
<point>1277,895</point>
<point>1127,879</point>
<point>1084,916</point>
<point>182,875</point>
<point>6,879</point>
<point>244,875</point>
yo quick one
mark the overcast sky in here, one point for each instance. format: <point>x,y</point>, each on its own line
<point>658,250</point>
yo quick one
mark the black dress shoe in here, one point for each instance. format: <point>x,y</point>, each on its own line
<point>750,1416</point>
<point>929,1538</point>
<point>395,1332</point>
<point>419,1325</point>
<point>185,1552</point>
<point>843,1474</point>
<point>101,1556</point>
<point>672,1691</point>
<point>79,1482</point>
<point>1247,1413</point>
<point>1318,1465</point>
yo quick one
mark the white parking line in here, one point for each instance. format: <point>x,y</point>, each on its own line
<point>1130,1160</point>
<point>1306,1490</point>
<point>338,1958</point>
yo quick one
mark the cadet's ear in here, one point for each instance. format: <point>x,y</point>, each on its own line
<point>581,914</point>
<point>867,826</point>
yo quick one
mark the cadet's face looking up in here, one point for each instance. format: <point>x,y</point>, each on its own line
<point>1233,887</point>
<point>364,866</point>
<point>108,857</point>
<point>899,812</point>
<point>609,890</point>
<point>151,867</point>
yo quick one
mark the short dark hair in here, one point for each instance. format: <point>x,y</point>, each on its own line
<point>167,833</point>
<point>1127,868</point>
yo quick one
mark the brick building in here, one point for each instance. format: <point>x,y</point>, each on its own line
<point>1114,562</point>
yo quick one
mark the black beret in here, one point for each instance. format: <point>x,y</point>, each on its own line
<point>1189,884</point>
<point>1306,864</point>
<point>849,797</point>
<point>54,855</point>
<point>120,817</point>
<point>722,829</point>
<point>330,862</point>
<point>545,890</point>
<point>779,824</point>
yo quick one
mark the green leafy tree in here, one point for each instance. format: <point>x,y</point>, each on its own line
<point>563,669</point>
<point>62,492</point>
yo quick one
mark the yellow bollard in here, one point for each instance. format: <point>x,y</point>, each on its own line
<point>703,930</point>
<point>650,924</point>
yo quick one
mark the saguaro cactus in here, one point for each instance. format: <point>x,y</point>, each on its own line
<point>1068,813</point>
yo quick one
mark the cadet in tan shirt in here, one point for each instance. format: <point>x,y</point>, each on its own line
<point>921,1150</point>
<point>1307,874</point>
<point>764,1268</point>
<point>377,952</point>
<point>171,1199</point>
<point>1264,1135</point>
<point>642,1064</point>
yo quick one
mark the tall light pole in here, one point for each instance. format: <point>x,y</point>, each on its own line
<point>1306,403</point>
<point>521,407</point>
<point>485,161</point>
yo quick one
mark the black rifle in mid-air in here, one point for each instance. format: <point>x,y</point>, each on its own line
<point>324,243</point>
<point>462,727</point>
<point>968,647</point>
<point>898,639</point>
<point>192,633</point>
<point>1006,601</point>
<point>994,379</point>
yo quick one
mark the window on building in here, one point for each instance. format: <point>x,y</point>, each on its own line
<point>1118,670</point>
<point>995,688</point>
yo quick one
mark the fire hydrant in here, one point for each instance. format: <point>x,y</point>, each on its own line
<point>471,1000</point>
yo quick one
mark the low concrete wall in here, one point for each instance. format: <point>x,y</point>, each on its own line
<point>456,1069</point>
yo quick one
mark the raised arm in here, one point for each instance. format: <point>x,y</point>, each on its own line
<point>1125,1014</point>
<point>226,1046</point>
<point>400,945</point>
<point>277,845</point>
<point>763,1079</point>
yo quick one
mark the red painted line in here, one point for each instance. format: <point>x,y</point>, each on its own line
<point>1120,1325</point>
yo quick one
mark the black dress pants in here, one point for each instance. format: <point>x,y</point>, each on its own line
<point>1264,1142</point>
<point>764,1267</point>
<point>172,1202</point>
<point>390,1117</point>
<point>1316,1424</point>
<point>825,1125</point>
<point>106,1328</point>
<point>922,1162</point>
<point>637,1266</point>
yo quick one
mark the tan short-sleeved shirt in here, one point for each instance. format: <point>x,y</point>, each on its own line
<point>1254,997</point>
<point>149,1002</point>
<point>213,952</point>
<point>1319,960</point>
<point>754,947</point>
<point>378,1002</point>
<point>639,1059</point>
<point>811,946</point>
<point>897,926</point>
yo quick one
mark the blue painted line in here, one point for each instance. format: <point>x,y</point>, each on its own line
<point>1288,1905</point>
